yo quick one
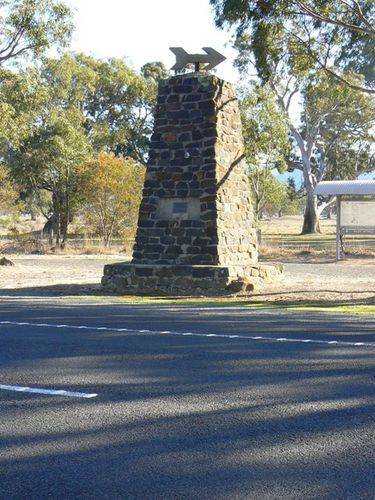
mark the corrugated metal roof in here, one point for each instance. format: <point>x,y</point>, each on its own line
<point>345,187</point>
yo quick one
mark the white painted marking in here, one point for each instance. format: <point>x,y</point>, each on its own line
<point>52,392</point>
<point>167,332</point>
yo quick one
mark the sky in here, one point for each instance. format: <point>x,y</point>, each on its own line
<point>143,30</point>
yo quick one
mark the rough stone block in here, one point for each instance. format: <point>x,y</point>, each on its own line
<point>195,160</point>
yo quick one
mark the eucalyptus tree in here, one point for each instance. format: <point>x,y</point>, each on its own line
<point>335,139</point>
<point>267,144</point>
<point>269,35</point>
<point>73,107</point>
<point>9,196</point>
<point>119,109</point>
<point>47,157</point>
<point>30,27</point>
<point>333,35</point>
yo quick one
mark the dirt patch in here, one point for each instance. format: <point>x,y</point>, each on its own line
<point>54,274</point>
<point>347,282</point>
<point>328,282</point>
<point>309,254</point>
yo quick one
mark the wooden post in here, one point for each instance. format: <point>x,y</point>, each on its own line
<point>338,228</point>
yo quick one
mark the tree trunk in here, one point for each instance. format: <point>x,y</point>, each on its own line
<point>65,219</point>
<point>64,230</point>
<point>311,215</point>
<point>55,218</point>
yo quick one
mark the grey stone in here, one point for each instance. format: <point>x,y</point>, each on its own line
<point>196,228</point>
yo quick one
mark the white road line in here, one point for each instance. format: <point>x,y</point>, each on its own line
<point>183,334</point>
<point>52,392</point>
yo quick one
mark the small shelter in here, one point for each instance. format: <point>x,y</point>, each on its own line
<point>355,207</point>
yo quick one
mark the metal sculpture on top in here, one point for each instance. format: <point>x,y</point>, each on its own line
<point>201,62</point>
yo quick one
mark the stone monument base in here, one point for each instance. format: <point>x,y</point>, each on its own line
<point>187,280</point>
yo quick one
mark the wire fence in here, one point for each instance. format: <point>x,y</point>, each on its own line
<point>38,243</point>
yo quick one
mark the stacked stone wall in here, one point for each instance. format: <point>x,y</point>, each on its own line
<point>196,233</point>
<point>237,238</point>
<point>187,280</point>
<point>194,154</point>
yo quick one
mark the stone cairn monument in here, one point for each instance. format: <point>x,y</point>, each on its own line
<point>196,233</point>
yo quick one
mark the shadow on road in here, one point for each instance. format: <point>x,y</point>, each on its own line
<point>213,418</point>
<point>280,298</point>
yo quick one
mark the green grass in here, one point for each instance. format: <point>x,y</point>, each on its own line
<point>343,309</point>
<point>224,302</point>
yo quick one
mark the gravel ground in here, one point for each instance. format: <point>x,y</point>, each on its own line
<point>44,275</point>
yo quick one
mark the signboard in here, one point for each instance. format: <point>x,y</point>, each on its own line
<point>356,213</point>
<point>179,208</point>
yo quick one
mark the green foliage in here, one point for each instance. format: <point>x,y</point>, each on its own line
<point>118,107</point>
<point>265,129</point>
<point>294,201</point>
<point>56,143</point>
<point>9,196</point>
<point>269,194</point>
<point>303,36</point>
<point>30,27</point>
<point>267,145</point>
<point>49,159</point>
<point>155,71</point>
<point>20,99</point>
<point>342,120</point>
<point>61,111</point>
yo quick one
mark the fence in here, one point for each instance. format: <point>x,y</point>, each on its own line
<point>37,243</point>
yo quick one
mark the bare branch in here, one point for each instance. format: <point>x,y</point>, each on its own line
<point>309,11</point>
<point>329,70</point>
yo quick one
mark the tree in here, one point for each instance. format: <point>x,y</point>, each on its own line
<point>294,202</point>
<point>265,129</point>
<point>20,100</point>
<point>332,35</point>
<point>155,71</point>
<point>48,155</point>
<point>281,60</point>
<point>79,104</point>
<point>9,196</point>
<point>269,194</point>
<point>349,24</point>
<point>30,27</point>
<point>48,160</point>
<point>111,191</point>
<point>119,107</point>
<point>335,140</point>
<point>267,145</point>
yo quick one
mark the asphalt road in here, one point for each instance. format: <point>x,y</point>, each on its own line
<point>185,416</point>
